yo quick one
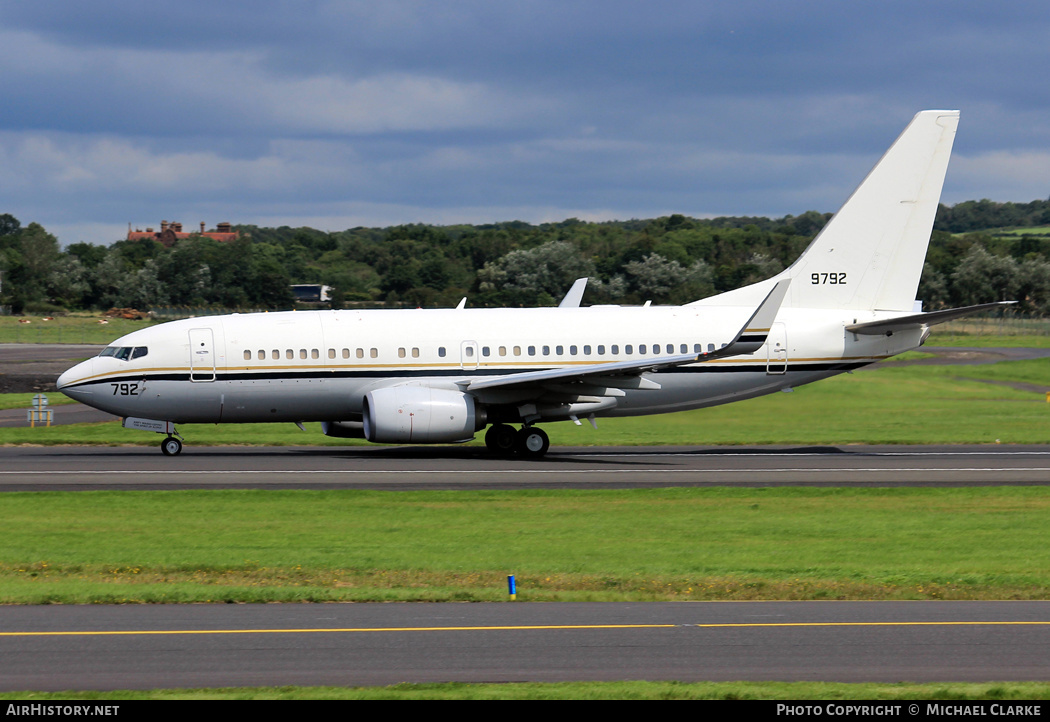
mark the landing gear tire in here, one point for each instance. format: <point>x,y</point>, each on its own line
<point>171,446</point>
<point>532,443</point>
<point>502,440</point>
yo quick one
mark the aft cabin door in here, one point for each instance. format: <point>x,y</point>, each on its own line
<point>202,355</point>
<point>776,350</point>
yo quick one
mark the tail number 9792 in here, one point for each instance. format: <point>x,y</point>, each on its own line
<point>830,279</point>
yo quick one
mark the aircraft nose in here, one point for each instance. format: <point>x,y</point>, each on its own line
<point>73,375</point>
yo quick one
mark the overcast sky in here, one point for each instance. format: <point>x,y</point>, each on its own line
<point>339,114</point>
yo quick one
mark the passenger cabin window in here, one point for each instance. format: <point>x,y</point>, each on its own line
<point>302,353</point>
<point>401,353</point>
<point>346,353</point>
<point>261,355</point>
<point>275,354</point>
<point>360,353</point>
<point>586,350</point>
<point>331,353</point>
<point>289,354</point>
<point>247,355</point>
<point>415,353</point>
<point>314,353</point>
<point>441,351</point>
<point>374,353</point>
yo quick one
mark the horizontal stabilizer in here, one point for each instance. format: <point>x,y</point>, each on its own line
<point>905,323</point>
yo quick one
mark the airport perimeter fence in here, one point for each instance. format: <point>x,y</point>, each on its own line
<point>172,313</point>
<point>1004,325</point>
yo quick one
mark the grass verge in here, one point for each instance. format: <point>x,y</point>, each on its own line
<point>25,401</point>
<point>787,691</point>
<point>625,545</point>
<point>79,328</point>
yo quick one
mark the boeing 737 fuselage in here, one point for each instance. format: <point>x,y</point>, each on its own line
<point>438,376</point>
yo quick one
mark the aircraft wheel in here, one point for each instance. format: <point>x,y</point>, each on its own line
<point>532,442</point>
<point>501,440</point>
<point>171,446</point>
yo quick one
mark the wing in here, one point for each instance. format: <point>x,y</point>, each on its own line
<point>627,374</point>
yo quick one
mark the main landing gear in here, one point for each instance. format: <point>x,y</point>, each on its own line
<point>529,443</point>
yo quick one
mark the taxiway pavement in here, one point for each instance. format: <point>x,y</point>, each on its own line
<point>407,468</point>
<point>167,646</point>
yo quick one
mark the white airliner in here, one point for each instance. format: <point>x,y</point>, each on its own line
<point>438,376</point>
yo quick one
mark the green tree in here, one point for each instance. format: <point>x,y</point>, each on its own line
<point>541,274</point>
<point>30,260</point>
<point>983,278</point>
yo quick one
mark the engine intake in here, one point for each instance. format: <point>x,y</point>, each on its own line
<point>418,415</point>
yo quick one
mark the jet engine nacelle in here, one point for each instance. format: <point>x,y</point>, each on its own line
<point>418,415</point>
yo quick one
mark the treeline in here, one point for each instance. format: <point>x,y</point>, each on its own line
<point>973,216</point>
<point>672,259</point>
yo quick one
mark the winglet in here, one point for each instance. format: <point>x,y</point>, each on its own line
<point>575,295</point>
<point>754,333</point>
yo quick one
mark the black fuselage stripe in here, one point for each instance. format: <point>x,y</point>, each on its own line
<point>459,373</point>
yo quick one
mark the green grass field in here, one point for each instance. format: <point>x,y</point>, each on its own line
<point>79,328</point>
<point>592,545</point>
<point>1018,232</point>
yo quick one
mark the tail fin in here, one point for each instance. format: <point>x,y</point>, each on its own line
<point>870,254</point>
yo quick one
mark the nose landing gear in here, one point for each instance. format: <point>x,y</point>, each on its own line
<point>171,446</point>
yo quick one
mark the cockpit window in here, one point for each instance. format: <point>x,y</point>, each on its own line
<point>125,353</point>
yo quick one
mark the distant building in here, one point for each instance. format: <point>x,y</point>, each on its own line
<point>311,292</point>
<point>171,232</point>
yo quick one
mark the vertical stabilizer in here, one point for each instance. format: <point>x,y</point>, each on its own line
<point>870,254</point>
